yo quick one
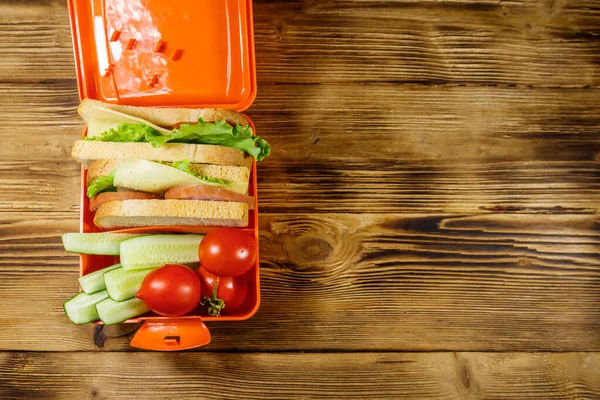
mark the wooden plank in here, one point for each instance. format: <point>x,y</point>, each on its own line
<point>307,376</point>
<point>529,42</point>
<point>538,43</point>
<point>325,123</point>
<point>318,123</point>
<point>40,186</point>
<point>378,186</point>
<point>41,121</point>
<point>422,186</point>
<point>499,282</point>
<point>36,43</point>
<point>419,149</point>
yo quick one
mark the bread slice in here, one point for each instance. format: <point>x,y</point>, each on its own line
<point>139,213</point>
<point>163,116</point>
<point>227,173</point>
<point>86,151</point>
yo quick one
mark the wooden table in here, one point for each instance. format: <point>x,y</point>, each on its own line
<point>428,216</point>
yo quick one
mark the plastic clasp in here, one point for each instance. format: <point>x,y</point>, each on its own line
<point>171,334</point>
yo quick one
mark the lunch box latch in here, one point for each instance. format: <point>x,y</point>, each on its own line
<point>171,334</point>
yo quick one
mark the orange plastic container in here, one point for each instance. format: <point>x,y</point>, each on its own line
<point>167,53</point>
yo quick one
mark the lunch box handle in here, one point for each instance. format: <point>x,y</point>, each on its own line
<point>171,334</point>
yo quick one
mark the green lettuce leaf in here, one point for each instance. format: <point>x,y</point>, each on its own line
<point>222,134</point>
<point>218,133</point>
<point>184,165</point>
<point>127,133</point>
<point>102,184</point>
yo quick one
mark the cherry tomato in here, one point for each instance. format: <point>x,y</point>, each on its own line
<point>227,252</point>
<point>171,290</point>
<point>231,292</point>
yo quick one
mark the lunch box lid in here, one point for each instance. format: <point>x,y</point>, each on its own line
<point>194,53</point>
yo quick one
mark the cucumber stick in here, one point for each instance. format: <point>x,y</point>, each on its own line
<point>122,284</point>
<point>113,312</point>
<point>81,308</point>
<point>94,282</point>
<point>95,243</point>
<point>157,250</point>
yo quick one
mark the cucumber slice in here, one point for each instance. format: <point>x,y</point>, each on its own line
<point>157,250</point>
<point>94,282</point>
<point>122,284</point>
<point>95,243</point>
<point>81,308</point>
<point>112,312</point>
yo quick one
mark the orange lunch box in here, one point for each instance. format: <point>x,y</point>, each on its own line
<point>167,53</point>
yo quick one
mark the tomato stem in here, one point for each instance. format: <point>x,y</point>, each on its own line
<point>215,305</point>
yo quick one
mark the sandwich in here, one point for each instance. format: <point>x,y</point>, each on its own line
<point>167,166</point>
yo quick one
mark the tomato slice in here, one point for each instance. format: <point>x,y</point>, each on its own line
<point>102,198</point>
<point>206,192</point>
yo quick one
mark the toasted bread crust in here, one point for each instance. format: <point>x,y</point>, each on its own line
<point>227,173</point>
<point>163,116</point>
<point>86,151</point>
<point>138,213</point>
<point>99,168</point>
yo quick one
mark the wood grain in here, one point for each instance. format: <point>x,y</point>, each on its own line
<point>307,376</point>
<point>540,43</point>
<point>434,187</point>
<point>36,41</point>
<point>502,282</point>
<point>422,186</point>
<point>437,123</point>
<point>382,187</point>
<point>419,149</point>
<point>40,186</point>
<point>325,123</point>
<point>527,42</point>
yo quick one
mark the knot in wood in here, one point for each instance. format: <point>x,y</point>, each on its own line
<point>306,251</point>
